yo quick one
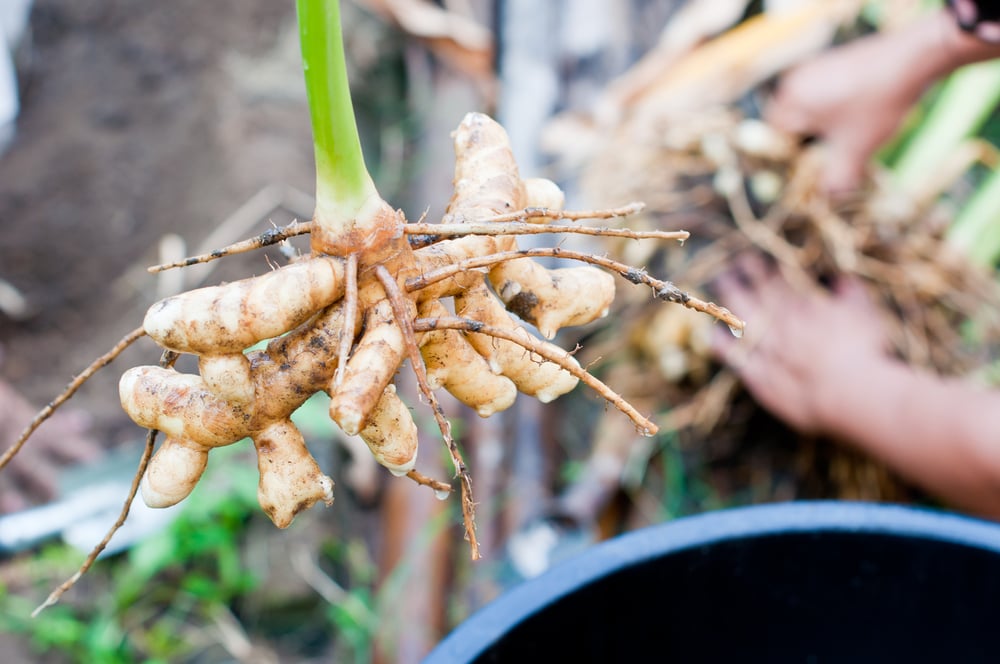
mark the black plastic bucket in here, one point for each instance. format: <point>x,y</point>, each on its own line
<point>796,582</point>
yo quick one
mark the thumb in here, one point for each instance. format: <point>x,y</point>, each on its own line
<point>844,168</point>
<point>784,114</point>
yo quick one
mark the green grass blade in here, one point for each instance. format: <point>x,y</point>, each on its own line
<point>964,104</point>
<point>976,230</point>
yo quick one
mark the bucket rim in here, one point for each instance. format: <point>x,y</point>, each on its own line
<point>487,625</point>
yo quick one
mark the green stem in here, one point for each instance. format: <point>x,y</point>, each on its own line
<point>965,102</point>
<point>975,230</point>
<point>343,184</point>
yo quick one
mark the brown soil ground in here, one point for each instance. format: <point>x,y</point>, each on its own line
<point>138,120</point>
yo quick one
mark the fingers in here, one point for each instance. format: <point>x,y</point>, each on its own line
<point>744,288</point>
<point>723,345</point>
<point>847,146</point>
<point>734,292</point>
<point>752,287</point>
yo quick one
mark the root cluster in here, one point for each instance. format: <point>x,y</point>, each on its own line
<point>344,324</point>
<point>345,318</point>
<point>739,186</point>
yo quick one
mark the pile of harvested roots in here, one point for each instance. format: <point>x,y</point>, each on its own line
<point>701,160</point>
<point>739,186</point>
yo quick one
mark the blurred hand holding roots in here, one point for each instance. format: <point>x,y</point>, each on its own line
<point>699,158</point>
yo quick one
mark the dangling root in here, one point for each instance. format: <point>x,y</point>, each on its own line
<point>54,596</point>
<point>550,213</point>
<point>404,319</point>
<point>423,480</point>
<point>437,231</point>
<point>345,318</point>
<point>167,359</point>
<point>664,290</point>
<point>519,228</point>
<point>551,353</point>
<point>350,317</point>
<point>81,378</point>
<point>265,239</point>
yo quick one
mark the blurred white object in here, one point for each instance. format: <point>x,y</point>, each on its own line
<point>13,22</point>
<point>91,498</point>
<point>12,303</point>
<point>82,519</point>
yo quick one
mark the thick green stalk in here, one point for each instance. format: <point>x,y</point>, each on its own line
<point>343,184</point>
<point>976,229</point>
<point>965,102</point>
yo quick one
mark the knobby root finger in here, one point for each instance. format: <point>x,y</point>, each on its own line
<point>664,290</point>
<point>550,353</point>
<point>404,319</point>
<point>391,434</point>
<point>372,365</point>
<point>350,300</point>
<point>543,380</point>
<point>173,472</point>
<point>551,299</point>
<point>452,363</point>
<point>234,316</point>
<point>290,479</point>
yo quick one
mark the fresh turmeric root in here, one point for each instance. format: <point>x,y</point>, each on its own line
<point>343,320</point>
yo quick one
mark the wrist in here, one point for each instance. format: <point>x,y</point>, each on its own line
<point>846,405</point>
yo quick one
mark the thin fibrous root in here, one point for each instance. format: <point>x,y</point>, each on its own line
<point>54,596</point>
<point>167,360</point>
<point>265,239</point>
<point>520,228</point>
<point>764,236</point>
<point>403,318</point>
<point>46,412</point>
<point>350,300</point>
<point>553,354</point>
<point>275,235</point>
<point>568,215</point>
<point>663,290</point>
<point>423,480</point>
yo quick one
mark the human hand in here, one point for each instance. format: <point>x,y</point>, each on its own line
<point>801,349</point>
<point>31,475</point>
<point>854,97</point>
